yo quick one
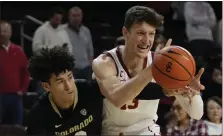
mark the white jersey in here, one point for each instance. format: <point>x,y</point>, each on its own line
<point>136,115</point>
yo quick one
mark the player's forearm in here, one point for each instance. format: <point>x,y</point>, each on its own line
<point>195,109</point>
<point>131,88</point>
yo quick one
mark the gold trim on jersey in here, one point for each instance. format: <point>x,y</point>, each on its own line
<point>55,107</point>
<point>77,127</point>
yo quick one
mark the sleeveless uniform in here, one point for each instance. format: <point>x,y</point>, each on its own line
<point>137,117</point>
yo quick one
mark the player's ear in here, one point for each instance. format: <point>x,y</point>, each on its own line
<point>46,86</point>
<point>124,31</point>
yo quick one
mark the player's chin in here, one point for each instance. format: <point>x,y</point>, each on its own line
<point>142,55</point>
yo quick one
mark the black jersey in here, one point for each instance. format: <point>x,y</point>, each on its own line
<point>85,119</point>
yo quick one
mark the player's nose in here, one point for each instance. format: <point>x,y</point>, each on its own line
<point>67,85</point>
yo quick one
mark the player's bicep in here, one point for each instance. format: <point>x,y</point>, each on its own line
<point>107,85</point>
<point>105,73</point>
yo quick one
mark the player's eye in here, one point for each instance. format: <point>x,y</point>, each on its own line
<point>151,34</point>
<point>140,33</point>
<point>60,81</point>
<point>70,76</point>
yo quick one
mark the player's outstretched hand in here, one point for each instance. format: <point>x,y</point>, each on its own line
<point>192,89</point>
<point>195,82</point>
<point>168,43</point>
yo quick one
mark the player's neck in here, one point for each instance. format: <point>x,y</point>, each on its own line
<point>131,61</point>
<point>63,104</point>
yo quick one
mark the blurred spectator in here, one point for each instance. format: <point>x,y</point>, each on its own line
<point>213,116</point>
<point>200,22</point>
<point>14,77</point>
<point>185,125</point>
<point>213,79</point>
<point>47,34</point>
<point>218,35</point>
<point>170,119</point>
<point>79,38</point>
<point>178,10</point>
<point>159,42</point>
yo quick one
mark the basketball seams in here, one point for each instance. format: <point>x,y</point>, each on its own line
<point>178,63</point>
<point>168,75</point>
<point>191,59</point>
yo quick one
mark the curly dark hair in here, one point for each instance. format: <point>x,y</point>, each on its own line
<point>46,62</point>
<point>140,14</point>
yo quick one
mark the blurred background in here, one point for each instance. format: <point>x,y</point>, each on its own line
<point>196,26</point>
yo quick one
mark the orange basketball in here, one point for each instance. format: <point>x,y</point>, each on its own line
<point>173,67</point>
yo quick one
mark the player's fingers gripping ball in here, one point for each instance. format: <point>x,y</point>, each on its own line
<point>173,67</point>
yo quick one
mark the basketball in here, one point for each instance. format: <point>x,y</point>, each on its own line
<point>173,67</point>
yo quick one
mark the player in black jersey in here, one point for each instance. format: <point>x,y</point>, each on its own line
<point>69,107</point>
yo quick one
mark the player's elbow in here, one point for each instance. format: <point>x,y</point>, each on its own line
<point>112,98</point>
<point>118,104</point>
<point>196,115</point>
<point>197,110</point>
<point>115,101</point>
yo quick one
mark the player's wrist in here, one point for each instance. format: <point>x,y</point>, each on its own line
<point>169,92</point>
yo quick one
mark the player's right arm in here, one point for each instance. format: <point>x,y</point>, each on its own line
<point>110,86</point>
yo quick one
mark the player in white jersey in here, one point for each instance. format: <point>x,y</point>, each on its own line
<point>125,71</point>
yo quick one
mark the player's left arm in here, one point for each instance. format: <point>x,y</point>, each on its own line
<point>193,103</point>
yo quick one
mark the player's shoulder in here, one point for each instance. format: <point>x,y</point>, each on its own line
<point>103,65</point>
<point>105,58</point>
<point>40,108</point>
<point>42,103</point>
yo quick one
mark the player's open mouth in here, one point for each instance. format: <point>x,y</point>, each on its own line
<point>70,92</point>
<point>143,47</point>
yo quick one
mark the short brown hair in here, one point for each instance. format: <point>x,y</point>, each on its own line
<point>140,14</point>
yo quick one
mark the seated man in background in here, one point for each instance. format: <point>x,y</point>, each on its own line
<point>47,35</point>
<point>79,42</point>
<point>200,22</point>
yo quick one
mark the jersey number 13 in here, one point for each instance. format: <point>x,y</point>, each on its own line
<point>134,105</point>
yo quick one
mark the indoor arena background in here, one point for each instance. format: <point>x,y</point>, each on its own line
<point>105,20</point>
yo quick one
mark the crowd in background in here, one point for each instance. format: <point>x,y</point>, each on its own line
<point>203,38</point>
